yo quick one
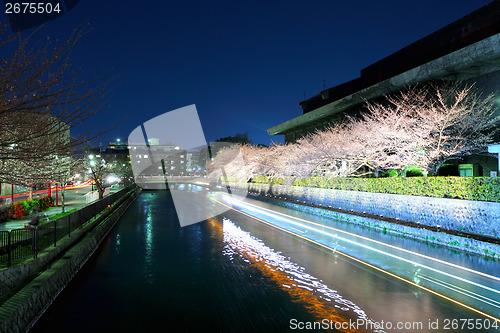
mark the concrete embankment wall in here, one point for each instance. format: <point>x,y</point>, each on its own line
<point>58,266</point>
<point>481,218</point>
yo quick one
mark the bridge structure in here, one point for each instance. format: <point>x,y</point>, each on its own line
<point>163,183</point>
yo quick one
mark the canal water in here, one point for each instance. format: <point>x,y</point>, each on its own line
<point>233,273</point>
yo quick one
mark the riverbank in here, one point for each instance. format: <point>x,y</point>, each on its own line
<point>463,225</point>
<point>27,289</point>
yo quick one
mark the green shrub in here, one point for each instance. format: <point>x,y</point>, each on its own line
<point>46,202</point>
<point>413,172</point>
<point>268,180</point>
<point>22,209</point>
<point>393,173</point>
<point>33,205</point>
<point>468,188</point>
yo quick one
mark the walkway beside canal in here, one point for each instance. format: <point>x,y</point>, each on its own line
<point>28,288</point>
<point>74,200</point>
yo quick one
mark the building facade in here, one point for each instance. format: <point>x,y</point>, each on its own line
<point>156,158</point>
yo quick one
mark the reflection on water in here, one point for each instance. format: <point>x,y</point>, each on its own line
<point>467,287</point>
<point>152,275</point>
<point>228,274</point>
<point>322,301</point>
<point>148,253</point>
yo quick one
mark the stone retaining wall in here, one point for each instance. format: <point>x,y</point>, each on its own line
<point>478,217</point>
<point>462,244</point>
<point>21,310</point>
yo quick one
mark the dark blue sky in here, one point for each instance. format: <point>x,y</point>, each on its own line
<point>246,65</point>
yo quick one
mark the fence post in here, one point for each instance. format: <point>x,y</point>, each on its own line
<point>9,252</point>
<point>35,245</point>
<point>55,232</point>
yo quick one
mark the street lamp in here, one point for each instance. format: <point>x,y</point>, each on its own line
<point>92,163</point>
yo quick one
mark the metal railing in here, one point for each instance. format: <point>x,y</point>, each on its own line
<point>23,243</point>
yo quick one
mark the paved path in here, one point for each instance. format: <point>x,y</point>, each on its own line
<point>41,193</point>
<point>73,199</point>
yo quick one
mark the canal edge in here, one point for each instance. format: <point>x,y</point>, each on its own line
<point>320,202</point>
<point>21,311</point>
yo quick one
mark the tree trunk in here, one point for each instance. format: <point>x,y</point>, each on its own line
<point>62,197</point>
<point>30,194</point>
<point>100,189</point>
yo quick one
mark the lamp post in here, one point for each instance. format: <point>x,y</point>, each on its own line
<point>92,163</point>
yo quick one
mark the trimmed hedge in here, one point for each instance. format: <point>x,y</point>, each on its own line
<point>468,188</point>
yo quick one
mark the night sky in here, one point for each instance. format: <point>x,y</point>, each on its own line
<point>246,65</point>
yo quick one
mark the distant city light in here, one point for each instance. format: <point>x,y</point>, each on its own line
<point>112,179</point>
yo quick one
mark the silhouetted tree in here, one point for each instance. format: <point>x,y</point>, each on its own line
<point>41,99</point>
<point>241,138</point>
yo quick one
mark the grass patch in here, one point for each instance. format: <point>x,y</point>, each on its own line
<point>55,217</point>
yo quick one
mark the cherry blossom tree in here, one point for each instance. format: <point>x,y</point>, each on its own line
<point>62,171</point>
<point>42,98</point>
<point>425,126</point>
<point>421,126</point>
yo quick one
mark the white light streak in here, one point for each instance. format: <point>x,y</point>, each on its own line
<point>260,209</point>
<point>288,219</point>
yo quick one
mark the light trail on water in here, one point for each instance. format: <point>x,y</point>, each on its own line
<point>288,217</point>
<point>293,220</point>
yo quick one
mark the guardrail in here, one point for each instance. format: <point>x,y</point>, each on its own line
<point>94,195</point>
<point>23,243</point>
